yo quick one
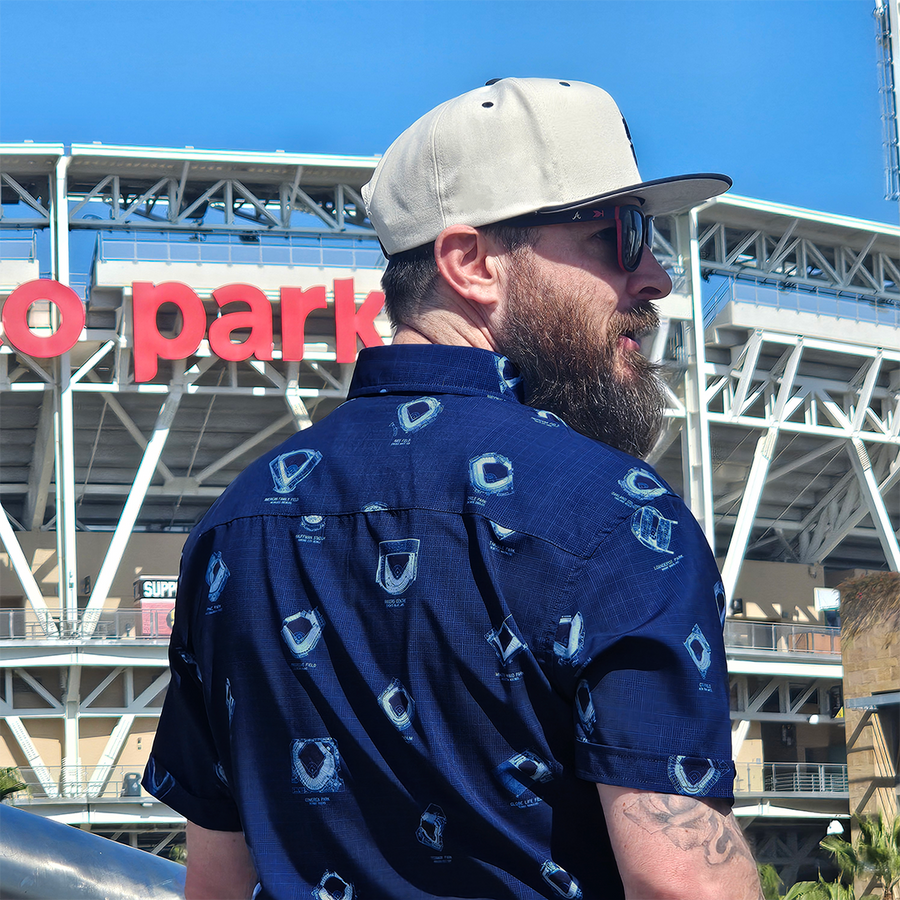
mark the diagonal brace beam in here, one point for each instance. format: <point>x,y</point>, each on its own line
<point>146,470</point>
<point>862,466</point>
<point>756,481</point>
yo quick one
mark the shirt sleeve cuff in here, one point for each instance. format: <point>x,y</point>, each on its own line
<point>215,814</point>
<point>692,776</point>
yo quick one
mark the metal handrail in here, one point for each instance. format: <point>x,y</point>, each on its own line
<point>79,783</point>
<point>45,860</point>
<point>18,248</point>
<point>814,299</point>
<point>802,778</point>
<point>25,623</point>
<point>782,637</point>
<point>312,250</point>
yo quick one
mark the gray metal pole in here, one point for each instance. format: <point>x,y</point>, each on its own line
<point>43,860</point>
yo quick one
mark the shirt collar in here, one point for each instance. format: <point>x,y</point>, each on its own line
<point>435,369</point>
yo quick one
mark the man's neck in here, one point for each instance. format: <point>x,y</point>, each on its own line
<point>437,329</point>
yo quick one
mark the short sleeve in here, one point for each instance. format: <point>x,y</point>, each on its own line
<point>184,770</point>
<point>639,649</point>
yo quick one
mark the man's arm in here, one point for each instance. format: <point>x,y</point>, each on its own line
<point>672,847</point>
<point>218,865</point>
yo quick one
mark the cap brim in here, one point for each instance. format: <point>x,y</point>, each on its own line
<point>662,196</point>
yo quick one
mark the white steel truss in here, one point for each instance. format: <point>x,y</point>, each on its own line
<point>781,341</point>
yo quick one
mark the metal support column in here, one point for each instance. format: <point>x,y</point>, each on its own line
<point>71,759</point>
<point>696,448</point>
<point>63,413</point>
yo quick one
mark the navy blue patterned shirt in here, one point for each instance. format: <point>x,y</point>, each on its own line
<point>409,640</point>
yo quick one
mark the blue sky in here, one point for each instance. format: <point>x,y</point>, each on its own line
<point>780,94</point>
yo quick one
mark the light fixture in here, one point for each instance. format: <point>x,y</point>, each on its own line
<point>813,720</point>
<point>835,827</point>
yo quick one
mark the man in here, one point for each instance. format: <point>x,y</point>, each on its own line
<point>453,641</point>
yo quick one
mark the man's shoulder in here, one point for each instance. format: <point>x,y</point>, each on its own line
<point>575,489</point>
<point>521,467</point>
<point>268,485</point>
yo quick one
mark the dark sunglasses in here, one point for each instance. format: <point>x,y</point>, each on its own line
<point>634,229</point>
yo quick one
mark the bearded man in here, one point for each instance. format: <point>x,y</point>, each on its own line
<point>456,640</point>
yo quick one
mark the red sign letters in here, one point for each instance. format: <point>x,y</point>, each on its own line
<point>150,345</point>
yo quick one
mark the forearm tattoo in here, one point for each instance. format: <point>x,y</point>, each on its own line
<point>690,824</point>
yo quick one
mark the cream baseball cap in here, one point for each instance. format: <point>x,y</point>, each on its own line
<point>513,147</point>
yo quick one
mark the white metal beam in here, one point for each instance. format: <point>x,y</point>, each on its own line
<point>862,465</point>
<point>25,575</point>
<point>696,456</point>
<point>114,744</point>
<point>71,756</point>
<point>748,369</point>
<point>128,423</point>
<point>756,481</point>
<point>23,739</point>
<point>107,681</point>
<point>243,448</point>
<point>41,469</point>
<point>739,731</point>
<point>129,515</point>
<point>63,414</point>
<point>838,534</point>
<point>160,683</point>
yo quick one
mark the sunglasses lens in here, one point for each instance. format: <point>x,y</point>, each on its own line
<point>632,237</point>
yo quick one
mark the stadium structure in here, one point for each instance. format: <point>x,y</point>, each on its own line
<point>169,314</point>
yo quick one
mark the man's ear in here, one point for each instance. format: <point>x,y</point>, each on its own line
<point>467,261</point>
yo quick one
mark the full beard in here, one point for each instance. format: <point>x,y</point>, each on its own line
<point>609,393</point>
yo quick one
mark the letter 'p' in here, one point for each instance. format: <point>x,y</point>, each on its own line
<point>149,345</point>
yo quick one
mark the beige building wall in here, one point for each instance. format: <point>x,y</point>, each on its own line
<point>779,592</point>
<point>46,735</point>
<point>146,554</point>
